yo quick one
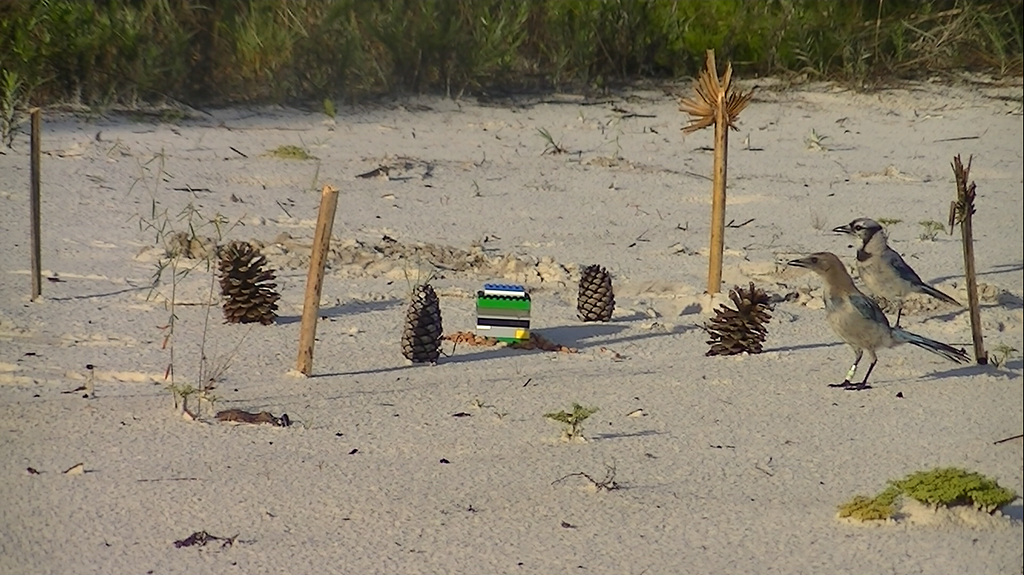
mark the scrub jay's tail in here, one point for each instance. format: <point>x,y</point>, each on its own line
<point>937,347</point>
<point>938,295</point>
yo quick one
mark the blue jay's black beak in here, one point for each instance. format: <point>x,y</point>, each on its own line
<point>843,230</point>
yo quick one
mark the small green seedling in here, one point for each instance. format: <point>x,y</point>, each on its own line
<point>329,108</point>
<point>290,152</point>
<point>930,230</point>
<point>182,394</point>
<point>816,141</point>
<point>1000,354</point>
<point>942,486</point>
<point>572,422</point>
<point>552,146</point>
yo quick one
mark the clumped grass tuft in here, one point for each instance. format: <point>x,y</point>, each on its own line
<point>863,508</point>
<point>944,486</point>
<point>290,152</point>
<point>128,51</point>
<point>955,486</point>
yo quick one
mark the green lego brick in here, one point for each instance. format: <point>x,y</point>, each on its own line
<point>502,303</point>
<point>503,313</point>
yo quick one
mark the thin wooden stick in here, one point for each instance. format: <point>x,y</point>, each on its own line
<point>34,203</point>
<point>718,192</point>
<point>315,279</point>
<point>964,214</point>
<point>1005,439</point>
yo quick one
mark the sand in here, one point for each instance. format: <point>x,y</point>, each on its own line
<point>734,464</point>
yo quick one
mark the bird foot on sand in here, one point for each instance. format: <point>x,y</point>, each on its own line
<point>851,386</point>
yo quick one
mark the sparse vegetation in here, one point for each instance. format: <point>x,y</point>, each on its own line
<point>608,483</point>
<point>930,230</point>
<point>889,222</point>
<point>816,141</point>
<point>572,421</point>
<point>551,146</point>
<point>290,152</point>
<point>863,508</point>
<point>817,220</point>
<point>12,97</point>
<point>185,251</point>
<point>940,486</point>
<point>256,50</point>
<point>1000,354</point>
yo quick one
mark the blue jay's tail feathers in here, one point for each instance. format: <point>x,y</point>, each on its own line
<point>939,295</point>
<point>937,347</point>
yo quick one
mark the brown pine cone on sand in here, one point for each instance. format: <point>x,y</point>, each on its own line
<point>596,300</point>
<point>742,329</point>
<point>421,335</point>
<point>246,287</point>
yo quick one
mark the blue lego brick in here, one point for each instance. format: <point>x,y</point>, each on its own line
<point>506,290</point>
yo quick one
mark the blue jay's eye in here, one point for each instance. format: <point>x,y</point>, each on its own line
<point>858,227</point>
<point>814,260</point>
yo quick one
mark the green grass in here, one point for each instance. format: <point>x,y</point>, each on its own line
<point>944,486</point>
<point>128,51</point>
<point>930,230</point>
<point>289,152</point>
<point>572,421</point>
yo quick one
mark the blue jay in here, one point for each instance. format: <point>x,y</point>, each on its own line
<point>859,321</point>
<point>882,269</point>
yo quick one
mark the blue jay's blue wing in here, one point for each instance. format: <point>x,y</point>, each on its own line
<point>901,267</point>
<point>868,308</point>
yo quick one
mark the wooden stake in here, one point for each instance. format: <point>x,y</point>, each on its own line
<point>315,279</point>
<point>35,210</point>
<point>962,212</point>
<point>718,198</point>
<point>715,104</point>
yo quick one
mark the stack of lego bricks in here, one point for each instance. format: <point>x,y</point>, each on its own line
<point>503,312</point>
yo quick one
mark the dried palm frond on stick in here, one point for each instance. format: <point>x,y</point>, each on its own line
<point>715,104</point>
<point>961,211</point>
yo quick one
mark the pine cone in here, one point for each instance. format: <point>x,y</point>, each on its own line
<point>742,329</point>
<point>249,297</point>
<point>596,300</point>
<point>421,336</point>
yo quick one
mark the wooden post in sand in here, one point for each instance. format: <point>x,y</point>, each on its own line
<point>315,279</point>
<point>961,211</point>
<point>35,210</point>
<point>715,104</point>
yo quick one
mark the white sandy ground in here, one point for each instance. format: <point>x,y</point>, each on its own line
<point>735,466</point>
